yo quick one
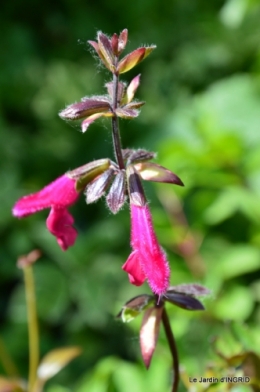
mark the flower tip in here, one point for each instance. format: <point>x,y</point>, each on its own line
<point>59,223</point>
<point>63,113</point>
<point>178,181</point>
<point>16,212</point>
<point>64,244</point>
<point>20,209</point>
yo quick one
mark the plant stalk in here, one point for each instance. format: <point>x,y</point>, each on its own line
<point>32,326</point>
<point>173,349</point>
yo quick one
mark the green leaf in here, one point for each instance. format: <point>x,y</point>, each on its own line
<point>99,379</point>
<point>231,200</point>
<point>128,378</point>
<point>238,260</point>
<point>236,303</point>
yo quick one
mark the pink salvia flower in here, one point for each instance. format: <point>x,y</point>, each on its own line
<point>148,260</point>
<point>58,195</point>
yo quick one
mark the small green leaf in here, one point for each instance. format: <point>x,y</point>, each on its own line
<point>236,303</point>
<point>238,260</point>
<point>135,306</point>
<point>128,314</point>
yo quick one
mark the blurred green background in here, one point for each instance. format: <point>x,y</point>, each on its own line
<point>202,116</point>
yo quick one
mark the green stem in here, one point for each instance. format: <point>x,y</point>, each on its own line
<point>173,349</point>
<point>115,126</point>
<point>7,361</point>
<point>32,326</point>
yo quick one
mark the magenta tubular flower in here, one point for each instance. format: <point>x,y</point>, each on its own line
<point>147,260</point>
<point>58,195</point>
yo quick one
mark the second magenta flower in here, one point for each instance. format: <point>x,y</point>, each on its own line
<point>147,260</point>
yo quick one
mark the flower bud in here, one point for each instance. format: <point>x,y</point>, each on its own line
<point>26,260</point>
<point>149,333</point>
<point>134,58</point>
<point>120,90</point>
<point>114,44</point>
<point>98,186</point>
<point>124,112</point>
<point>150,171</point>
<point>135,188</point>
<point>135,156</point>
<point>133,86</point>
<point>106,50</point>
<point>85,108</point>
<point>116,196</point>
<point>86,173</point>
<point>122,40</point>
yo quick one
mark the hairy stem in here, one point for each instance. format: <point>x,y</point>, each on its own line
<point>32,326</point>
<point>173,349</point>
<point>115,127</point>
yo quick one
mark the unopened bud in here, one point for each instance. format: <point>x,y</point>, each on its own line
<point>139,155</point>
<point>98,186</point>
<point>122,40</point>
<point>26,260</point>
<point>134,58</point>
<point>106,50</point>
<point>149,333</point>
<point>116,196</point>
<point>150,171</point>
<point>86,173</point>
<point>85,108</point>
<point>133,86</point>
<point>120,90</point>
<point>135,188</point>
<point>114,44</point>
<point>124,112</point>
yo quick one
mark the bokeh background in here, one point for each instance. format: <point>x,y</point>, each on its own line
<point>202,116</point>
